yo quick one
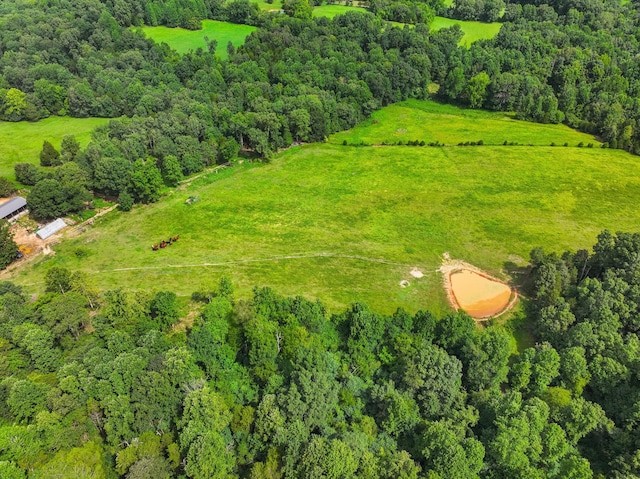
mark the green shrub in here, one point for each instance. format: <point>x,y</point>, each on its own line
<point>6,188</point>
<point>125,201</point>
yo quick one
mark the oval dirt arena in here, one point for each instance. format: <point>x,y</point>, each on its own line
<point>478,295</point>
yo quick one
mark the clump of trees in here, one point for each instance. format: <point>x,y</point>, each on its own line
<point>8,247</point>
<point>479,10</point>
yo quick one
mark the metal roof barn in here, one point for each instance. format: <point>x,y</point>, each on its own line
<point>12,207</point>
<point>51,228</point>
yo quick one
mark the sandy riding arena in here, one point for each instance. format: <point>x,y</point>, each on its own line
<point>474,291</point>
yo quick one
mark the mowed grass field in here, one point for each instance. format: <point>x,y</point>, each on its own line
<point>183,40</point>
<point>431,121</point>
<point>266,6</point>
<point>348,224</point>
<point>473,31</point>
<point>331,11</point>
<point>21,142</point>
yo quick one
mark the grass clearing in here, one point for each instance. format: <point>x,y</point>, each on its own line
<point>21,142</point>
<point>432,121</point>
<point>266,6</point>
<point>331,11</point>
<point>348,224</point>
<point>183,40</point>
<point>473,31</point>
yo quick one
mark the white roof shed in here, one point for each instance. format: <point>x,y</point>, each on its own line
<point>51,228</point>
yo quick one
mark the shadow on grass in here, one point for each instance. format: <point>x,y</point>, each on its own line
<point>521,278</point>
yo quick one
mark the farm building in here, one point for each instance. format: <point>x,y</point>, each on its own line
<point>51,228</point>
<point>12,208</point>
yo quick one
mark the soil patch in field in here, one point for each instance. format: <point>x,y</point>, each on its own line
<point>478,295</point>
<point>474,291</point>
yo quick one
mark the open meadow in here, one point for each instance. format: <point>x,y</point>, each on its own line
<point>346,223</point>
<point>21,142</point>
<point>265,6</point>
<point>431,121</point>
<point>331,11</point>
<point>183,40</point>
<point>473,31</point>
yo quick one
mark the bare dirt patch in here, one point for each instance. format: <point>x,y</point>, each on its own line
<point>416,273</point>
<point>474,291</point>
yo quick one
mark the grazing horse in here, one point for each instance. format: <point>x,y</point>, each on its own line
<point>175,238</point>
<point>155,247</point>
<point>163,244</point>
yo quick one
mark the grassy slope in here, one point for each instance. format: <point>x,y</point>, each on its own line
<point>406,205</point>
<point>183,40</point>
<point>473,31</point>
<point>21,142</point>
<point>448,124</point>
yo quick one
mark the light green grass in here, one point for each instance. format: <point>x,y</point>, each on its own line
<point>431,121</point>
<point>266,7</point>
<point>292,223</point>
<point>183,40</point>
<point>331,11</point>
<point>473,31</point>
<point>21,142</point>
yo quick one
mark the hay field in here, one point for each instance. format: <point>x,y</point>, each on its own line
<point>473,31</point>
<point>21,142</point>
<point>349,223</point>
<point>432,121</point>
<point>331,11</point>
<point>183,40</point>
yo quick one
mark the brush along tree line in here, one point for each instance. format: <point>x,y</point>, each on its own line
<point>277,387</point>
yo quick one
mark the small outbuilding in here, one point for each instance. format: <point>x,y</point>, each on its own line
<point>51,228</point>
<point>12,208</point>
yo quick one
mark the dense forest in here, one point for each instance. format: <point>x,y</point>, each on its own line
<point>107,385</point>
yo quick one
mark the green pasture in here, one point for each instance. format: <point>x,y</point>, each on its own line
<point>345,223</point>
<point>183,40</point>
<point>432,121</point>
<point>21,142</point>
<point>331,11</point>
<point>473,31</point>
<point>266,6</point>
